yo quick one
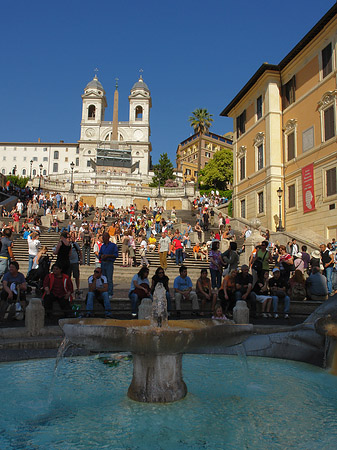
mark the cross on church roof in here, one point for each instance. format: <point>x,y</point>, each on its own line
<point>141,73</point>
<point>117,79</point>
<point>96,70</point>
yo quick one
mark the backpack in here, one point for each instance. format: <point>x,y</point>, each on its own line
<point>298,292</point>
<point>86,239</point>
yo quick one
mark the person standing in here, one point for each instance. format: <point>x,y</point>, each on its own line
<point>108,254</point>
<point>6,251</point>
<point>86,237</point>
<point>163,248</point>
<point>62,251</point>
<point>33,248</point>
<point>75,260</point>
<point>327,258</point>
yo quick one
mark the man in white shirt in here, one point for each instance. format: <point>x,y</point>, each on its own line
<point>163,248</point>
<point>98,289</point>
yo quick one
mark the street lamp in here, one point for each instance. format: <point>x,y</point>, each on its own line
<point>72,165</point>
<point>31,166</point>
<point>279,193</point>
<point>40,167</point>
<point>185,191</point>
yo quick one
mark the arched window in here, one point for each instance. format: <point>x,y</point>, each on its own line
<point>56,154</point>
<point>92,112</point>
<point>44,172</point>
<point>139,113</point>
<point>34,172</point>
<point>24,172</point>
<point>3,171</point>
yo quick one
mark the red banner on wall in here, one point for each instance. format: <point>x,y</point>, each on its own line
<point>308,188</point>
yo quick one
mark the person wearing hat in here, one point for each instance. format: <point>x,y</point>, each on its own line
<point>298,262</point>
<point>315,260</point>
<point>278,290</point>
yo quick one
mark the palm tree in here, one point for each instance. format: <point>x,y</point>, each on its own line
<point>200,121</point>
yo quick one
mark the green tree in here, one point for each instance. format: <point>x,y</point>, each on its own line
<point>163,171</point>
<point>201,120</point>
<point>218,172</point>
<point>17,180</point>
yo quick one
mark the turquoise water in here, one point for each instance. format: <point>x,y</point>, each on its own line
<point>265,404</point>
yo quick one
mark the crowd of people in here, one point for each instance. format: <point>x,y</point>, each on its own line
<point>275,273</point>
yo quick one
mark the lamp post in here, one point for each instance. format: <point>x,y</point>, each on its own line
<point>185,191</point>
<point>279,193</point>
<point>31,166</point>
<point>40,167</point>
<point>72,165</point>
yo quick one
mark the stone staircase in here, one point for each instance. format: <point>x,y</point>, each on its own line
<point>121,307</point>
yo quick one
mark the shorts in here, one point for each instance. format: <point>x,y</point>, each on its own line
<point>75,270</point>
<point>262,298</point>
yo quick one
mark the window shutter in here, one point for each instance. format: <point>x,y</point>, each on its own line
<point>331,182</point>
<point>329,123</point>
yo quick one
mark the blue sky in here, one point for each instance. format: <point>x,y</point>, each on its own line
<point>194,54</point>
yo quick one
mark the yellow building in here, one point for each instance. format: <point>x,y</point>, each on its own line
<point>285,137</point>
<point>195,152</point>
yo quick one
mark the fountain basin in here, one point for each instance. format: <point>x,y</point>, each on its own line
<point>157,351</point>
<point>327,326</point>
<point>139,336</point>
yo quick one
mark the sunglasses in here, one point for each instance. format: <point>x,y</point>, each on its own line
<point>97,271</point>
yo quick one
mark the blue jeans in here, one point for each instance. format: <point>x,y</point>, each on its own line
<point>179,255</point>
<point>86,255</point>
<point>107,271</point>
<point>134,302</point>
<point>103,295</point>
<point>30,263</point>
<point>328,274</point>
<point>158,227</point>
<point>215,278</point>
<point>286,300</point>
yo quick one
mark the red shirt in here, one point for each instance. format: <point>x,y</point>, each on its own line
<point>177,243</point>
<point>60,285</point>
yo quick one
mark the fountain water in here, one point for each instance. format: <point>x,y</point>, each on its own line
<point>157,346</point>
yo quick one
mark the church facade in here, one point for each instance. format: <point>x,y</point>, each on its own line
<point>111,147</point>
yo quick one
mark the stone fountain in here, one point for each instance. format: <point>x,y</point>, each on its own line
<point>327,326</point>
<point>157,346</point>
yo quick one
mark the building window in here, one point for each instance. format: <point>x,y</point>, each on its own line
<point>242,168</point>
<point>207,155</point>
<point>243,209</point>
<point>44,149</point>
<point>45,158</point>
<point>291,146</point>
<point>77,162</point>
<point>139,113</point>
<point>188,172</point>
<point>260,157</point>
<point>329,123</point>
<point>15,149</point>
<point>44,172</point>
<point>241,124</point>
<point>34,172</point>
<point>331,182</point>
<point>55,167</point>
<point>25,158</point>
<point>56,154</point>
<point>259,107</point>
<point>4,158</point>
<point>327,60</point>
<point>3,171</point>
<point>65,159</point>
<point>77,151</point>
<point>260,202</point>
<point>34,158</point>
<point>291,196</point>
<point>88,163</point>
<point>24,172</point>
<point>92,112</point>
<point>25,149</point>
<point>14,158</point>
<point>288,92</point>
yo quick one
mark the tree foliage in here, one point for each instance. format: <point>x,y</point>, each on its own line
<point>218,172</point>
<point>201,120</point>
<point>17,180</point>
<point>163,171</point>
